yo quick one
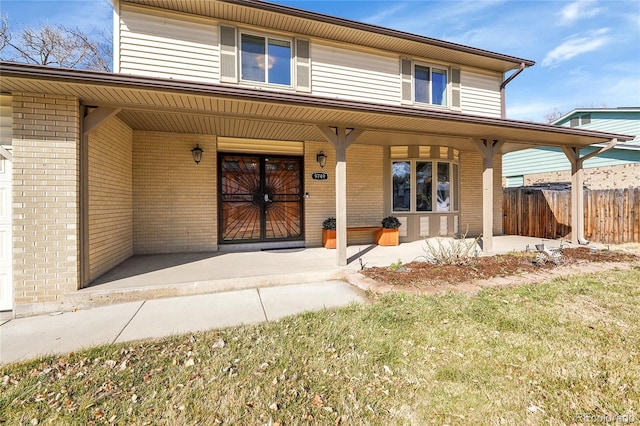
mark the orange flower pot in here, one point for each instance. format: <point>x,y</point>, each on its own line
<point>329,238</point>
<point>388,237</point>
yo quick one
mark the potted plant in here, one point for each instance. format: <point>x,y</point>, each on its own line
<point>389,235</point>
<point>329,233</point>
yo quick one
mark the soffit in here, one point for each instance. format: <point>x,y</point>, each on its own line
<point>300,22</point>
<point>168,105</point>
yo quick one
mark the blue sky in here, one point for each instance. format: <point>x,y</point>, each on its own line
<point>587,52</point>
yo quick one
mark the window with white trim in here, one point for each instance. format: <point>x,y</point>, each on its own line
<point>265,60</point>
<point>425,185</point>
<point>430,85</point>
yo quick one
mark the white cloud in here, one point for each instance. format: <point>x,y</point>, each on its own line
<point>381,17</point>
<point>577,10</point>
<point>577,45</point>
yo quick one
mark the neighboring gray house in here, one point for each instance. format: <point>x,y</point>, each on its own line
<point>616,168</point>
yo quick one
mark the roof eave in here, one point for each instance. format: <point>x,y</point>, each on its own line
<point>301,13</point>
<point>99,78</point>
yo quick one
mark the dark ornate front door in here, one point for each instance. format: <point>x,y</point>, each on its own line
<point>260,198</point>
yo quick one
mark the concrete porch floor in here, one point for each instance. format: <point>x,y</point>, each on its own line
<point>181,274</point>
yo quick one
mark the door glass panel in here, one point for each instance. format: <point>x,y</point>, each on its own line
<point>260,198</point>
<point>240,196</point>
<point>283,211</point>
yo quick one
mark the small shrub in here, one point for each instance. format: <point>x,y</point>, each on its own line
<point>329,223</point>
<point>390,222</point>
<point>450,251</point>
<point>396,266</point>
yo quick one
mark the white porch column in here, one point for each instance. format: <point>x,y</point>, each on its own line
<point>577,191</point>
<point>488,149</point>
<point>341,138</point>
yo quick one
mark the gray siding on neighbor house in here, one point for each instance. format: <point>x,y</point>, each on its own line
<point>547,159</point>
<point>621,122</point>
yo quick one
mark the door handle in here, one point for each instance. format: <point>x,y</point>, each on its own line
<point>266,198</point>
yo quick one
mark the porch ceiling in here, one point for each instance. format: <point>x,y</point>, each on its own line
<point>185,107</point>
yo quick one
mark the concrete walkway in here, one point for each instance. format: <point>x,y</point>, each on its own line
<point>157,296</point>
<point>26,338</point>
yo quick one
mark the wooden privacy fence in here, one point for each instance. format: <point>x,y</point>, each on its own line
<point>610,216</point>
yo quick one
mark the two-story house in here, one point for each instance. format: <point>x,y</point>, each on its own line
<point>241,124</point>
<point>617,168</point>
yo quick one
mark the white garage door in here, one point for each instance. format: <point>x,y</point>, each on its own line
<point>6,297</point>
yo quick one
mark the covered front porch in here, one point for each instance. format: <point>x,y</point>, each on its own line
<point>177,274</point>
<point>134,189</point>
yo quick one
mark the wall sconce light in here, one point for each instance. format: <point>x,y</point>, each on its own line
<point>321,159</point>
<point>197,154</point>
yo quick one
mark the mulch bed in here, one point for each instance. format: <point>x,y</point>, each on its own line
<point>476,268</point>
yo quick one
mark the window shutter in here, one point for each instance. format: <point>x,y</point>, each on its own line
<point>405,76</point>
<point>228,55</point>
<point>303,65</point>
<point>455,88</point>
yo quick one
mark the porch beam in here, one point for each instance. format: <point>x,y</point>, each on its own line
<point>577,188</point>
<point>5,153</point>
<point>341,138</point>
<point>95,118</point>
<point>488,148</point>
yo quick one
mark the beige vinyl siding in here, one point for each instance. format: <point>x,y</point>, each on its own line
<point>480,94</point>
<point>110,197</point>
<point>160,44</point>
<point>6,119</point>
<point>350,74</point>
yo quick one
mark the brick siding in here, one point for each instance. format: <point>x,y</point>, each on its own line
<point>471,194</point>
<point>45,200</point>
<point>609,177</point>
<point>174,200</point>
<point>365,191</point>
<point>110,196</point>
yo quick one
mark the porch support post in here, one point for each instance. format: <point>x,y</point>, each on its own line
<point>488,149</point>
<point>341,138</point>
<point>577,191</point>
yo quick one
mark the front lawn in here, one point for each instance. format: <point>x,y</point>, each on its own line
<point>559,352</point>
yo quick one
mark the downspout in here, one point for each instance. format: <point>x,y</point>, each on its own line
<point>503,97</point>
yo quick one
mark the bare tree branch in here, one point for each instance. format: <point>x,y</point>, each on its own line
<point>55,45</point>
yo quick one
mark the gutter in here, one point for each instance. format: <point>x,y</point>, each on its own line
<point>503,97</point>
<point>33,73</point>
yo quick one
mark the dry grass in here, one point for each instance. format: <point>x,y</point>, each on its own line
<point>538,354</point>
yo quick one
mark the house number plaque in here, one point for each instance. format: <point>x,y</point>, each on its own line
<point>319,176</point>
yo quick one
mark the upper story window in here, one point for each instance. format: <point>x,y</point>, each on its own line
<point>582,120</point>
<point>265,59</point>
<point>430,85</point>
<point>273,60</point>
